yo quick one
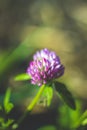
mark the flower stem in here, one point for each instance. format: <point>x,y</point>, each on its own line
<point>31,105</point>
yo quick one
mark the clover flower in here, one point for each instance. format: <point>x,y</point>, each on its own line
<point>45,67</point>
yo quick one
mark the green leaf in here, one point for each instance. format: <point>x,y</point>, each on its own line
<point>84,122</point>
<point>7,123</point>
<point>67,117</point>
<point>1,120</point>
<point>65,95</point>
<point>14,126</point>
<point>7,97</point>
<point>0,107</point>
<point>49,127</point>
<point>47,95</point>
<point>84,115</point>
<point>22,77</point>
<point>7,105</point>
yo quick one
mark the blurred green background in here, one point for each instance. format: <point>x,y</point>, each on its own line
<point>29,25</point>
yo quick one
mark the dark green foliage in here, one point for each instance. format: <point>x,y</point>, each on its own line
<point>65,94</point>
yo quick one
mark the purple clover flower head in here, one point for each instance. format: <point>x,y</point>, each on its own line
<point>45,67</point>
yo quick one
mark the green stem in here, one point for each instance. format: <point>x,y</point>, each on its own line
<point>31,105</point>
